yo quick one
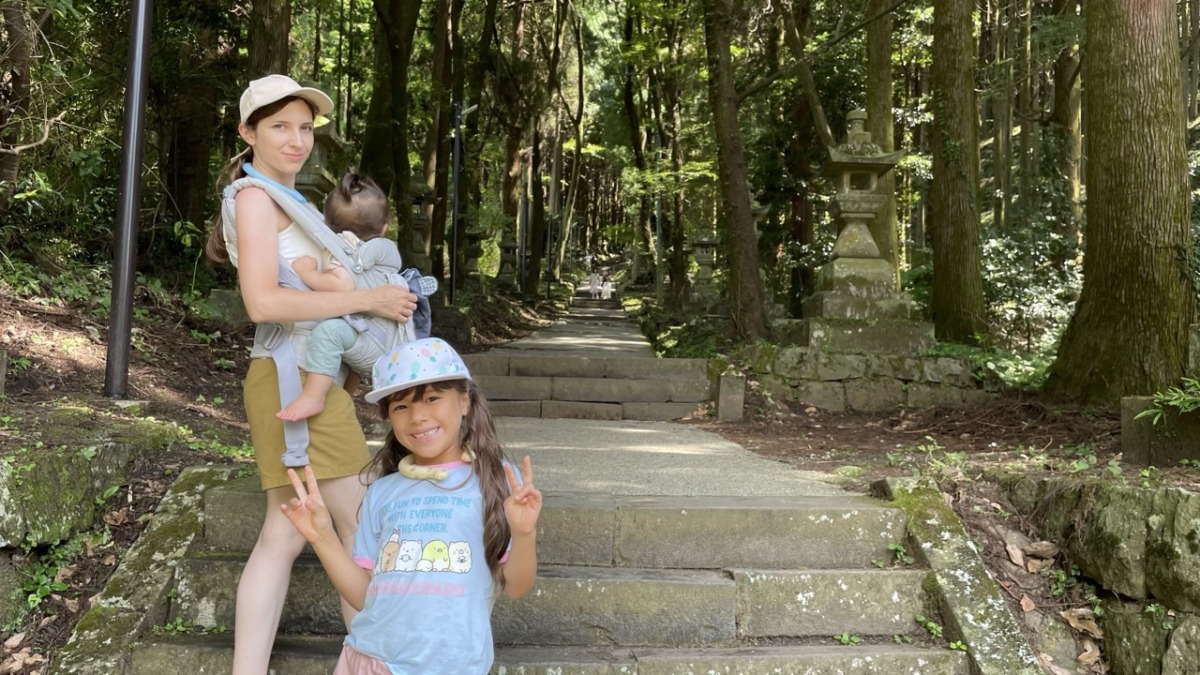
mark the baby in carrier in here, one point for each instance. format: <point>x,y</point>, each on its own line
<point>357,210</point>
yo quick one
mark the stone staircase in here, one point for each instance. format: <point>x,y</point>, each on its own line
<point>663,549</point>
<point>627,584</point>
<point>591,364</point>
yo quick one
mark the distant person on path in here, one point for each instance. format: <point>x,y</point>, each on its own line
<point>357,210</point>
<point>606,287</point>
<point>594,284</point>
<point>277,124</point>
<point>445,525</point>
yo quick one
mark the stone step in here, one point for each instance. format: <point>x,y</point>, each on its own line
<point>597,606</point>
<point>316,655</point>
<point>615,368</point>
<point>654,532</point>
<point>593,389</point>
<point>584,410</point>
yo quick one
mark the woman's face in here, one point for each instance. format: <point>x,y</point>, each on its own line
<point>281,141</point>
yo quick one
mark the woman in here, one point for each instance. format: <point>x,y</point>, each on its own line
<point>277,125</point>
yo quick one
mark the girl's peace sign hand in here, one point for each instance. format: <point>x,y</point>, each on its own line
<point>524,502</point>
<point>307,510</point>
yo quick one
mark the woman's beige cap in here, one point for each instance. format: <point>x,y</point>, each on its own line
<point>267,90</point>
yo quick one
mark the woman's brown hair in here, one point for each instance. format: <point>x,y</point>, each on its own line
<point>214,248</point>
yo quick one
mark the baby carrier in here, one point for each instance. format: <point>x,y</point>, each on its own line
<point>376,334</point>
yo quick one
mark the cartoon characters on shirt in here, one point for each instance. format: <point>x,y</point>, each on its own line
<point>411,555</point>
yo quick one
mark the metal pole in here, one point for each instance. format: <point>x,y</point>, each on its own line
<point>459,113</point>
<point>454,202</point>
<point>120,320</point>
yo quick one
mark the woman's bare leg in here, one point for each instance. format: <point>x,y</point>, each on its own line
<point>263,586</point>
<point>343,497</point>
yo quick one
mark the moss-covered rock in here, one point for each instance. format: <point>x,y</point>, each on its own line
<point>136,596</point>
<point>1183,648</point>
<point>972,605</point>
<point>1134,640</point>
<point>1110,540</point>
<point>1173,549</point>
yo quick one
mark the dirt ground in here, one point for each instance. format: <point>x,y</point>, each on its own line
<point>189,371</point>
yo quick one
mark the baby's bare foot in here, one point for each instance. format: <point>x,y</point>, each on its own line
<point>301,408</point>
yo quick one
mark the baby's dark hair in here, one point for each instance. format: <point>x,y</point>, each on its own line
<point>479,436</point>
<point>357,205</point>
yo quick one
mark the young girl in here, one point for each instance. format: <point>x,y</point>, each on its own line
<point>357,209</point>
<point>445,524</point>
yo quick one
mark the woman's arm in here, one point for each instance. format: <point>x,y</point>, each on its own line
<point>258,224</point>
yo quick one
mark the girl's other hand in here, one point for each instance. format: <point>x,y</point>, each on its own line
<point>524,503</point>
<point>307,510</point>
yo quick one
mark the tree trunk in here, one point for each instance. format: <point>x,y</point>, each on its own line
<point>537,216</point>
<point>270,23</point>
<point>435,150</point>
<point>484,63</point>
<point>1063,126</point>
<point>16,26</point>
<point>637,138</point>
<point>512,93</point>
<point>1002,105</point>
<point>573,183</point>
<point>398,24</point>
<point>958,307</point>
<point>879,121</point>
<point>1028,111</point>
<point>745,284</point>
<point>1129,332</point>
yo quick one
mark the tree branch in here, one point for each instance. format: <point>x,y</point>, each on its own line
<point>18,149</point>
<point>812,56</point>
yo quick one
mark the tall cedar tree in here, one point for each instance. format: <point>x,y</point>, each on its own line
<point>1129,331</point>
<point>746,289</point>
<point>958,308</point>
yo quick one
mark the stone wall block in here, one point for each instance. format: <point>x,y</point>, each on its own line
<point>948,370</point>
<point>1173,550</point>
<point>823,395</point>
<point>905,368</point>
<point>840,366</point>
<point>1110,541</point>
<point>1134,641</point>
<point>917,395</point>
<point>873,395</point>
<point>794,364</point>
<point>1183,648</point>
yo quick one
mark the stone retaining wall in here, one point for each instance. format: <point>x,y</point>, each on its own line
<point>839,381</point>
<point>1141,544</point>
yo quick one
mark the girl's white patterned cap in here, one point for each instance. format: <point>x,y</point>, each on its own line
<point>420,362</point>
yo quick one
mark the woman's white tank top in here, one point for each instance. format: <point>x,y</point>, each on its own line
<point>293,243</point>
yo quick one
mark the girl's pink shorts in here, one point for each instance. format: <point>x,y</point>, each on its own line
<point>357,663</point>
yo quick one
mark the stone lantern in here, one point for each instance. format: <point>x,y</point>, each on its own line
<point>506,276</point>
<point>315,180</point>
<point>704,291</point>
<point>855,167</point>
<point>705,246</point>
<point>418,239</point>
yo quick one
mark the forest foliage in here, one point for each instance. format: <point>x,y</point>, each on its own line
<point>594,132</point>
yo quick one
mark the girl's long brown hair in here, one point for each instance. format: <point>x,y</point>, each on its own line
<point>479,435</point>
<point>214,248</point>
